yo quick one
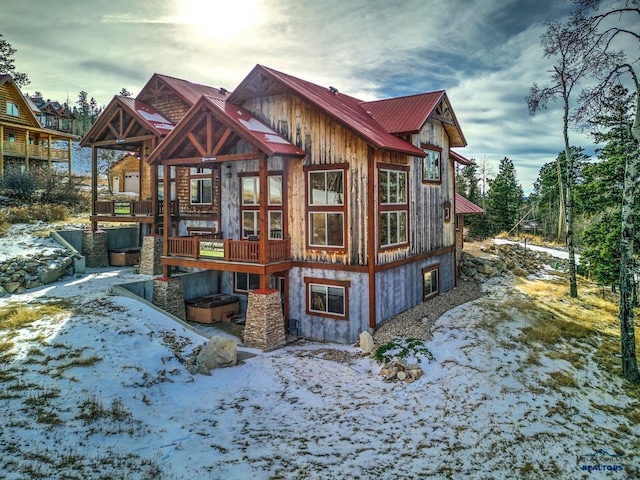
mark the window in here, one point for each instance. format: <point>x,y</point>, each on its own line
<point>250,206</point>
<point>172,176</point>
<point>201,184</point>
<point>447,211</point>
<point>12,137</point>
<point>394,208</point>
<point>327,297</point>
<point>431,166</point>
<point>430,285</point>
<point>12,109</point>
<point>246,281</point>
<point>458,222</point>
<point>326,207</point>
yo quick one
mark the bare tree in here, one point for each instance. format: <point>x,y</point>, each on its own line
<point>611,25</point>
<point>572,48</point>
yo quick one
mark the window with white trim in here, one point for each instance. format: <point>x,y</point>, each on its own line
<point>326,208</point>
<point>431,166</point>
<point>250,206</point>
<point>394,207</point>
<point>13,109</point>
<point>430,282</point>
<point>201,186</point>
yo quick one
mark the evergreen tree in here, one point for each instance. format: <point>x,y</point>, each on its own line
<point>7,64</point>
<point>504,198</point>
<point>125,93</point>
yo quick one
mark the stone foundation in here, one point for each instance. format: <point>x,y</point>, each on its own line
<point>264,327</point>
<point>94,248</point>
<point>150,255</point>
<point>168,294</point>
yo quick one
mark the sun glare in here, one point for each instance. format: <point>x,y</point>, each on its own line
<point>220,19</point>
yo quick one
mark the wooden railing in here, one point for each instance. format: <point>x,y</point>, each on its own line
<point>35,151</point>
<point>132,208</point>
<point>233,250</point>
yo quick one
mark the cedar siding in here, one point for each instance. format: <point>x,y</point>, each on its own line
<point>277,125</point>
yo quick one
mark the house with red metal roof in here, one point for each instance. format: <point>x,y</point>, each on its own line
<point>345,208</point>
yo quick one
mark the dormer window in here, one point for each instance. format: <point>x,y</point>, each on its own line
<point>431,164</point>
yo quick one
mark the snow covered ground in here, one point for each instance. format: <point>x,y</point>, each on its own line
<point>95,389</point>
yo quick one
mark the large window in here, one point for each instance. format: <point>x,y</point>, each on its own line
<point>172,182</point>
<point>246,281</point>
<point>430,282</point>
<point>394,208</point>
<point>431,165</point>
<point>13,109</point>
<point>328,298</point>
<point>326,208</point>
<point>201,186</point>
<point>250,208</point>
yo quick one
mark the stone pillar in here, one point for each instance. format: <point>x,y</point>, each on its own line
<point>264,326</point>
<point>150,255</point>
<point>94,248</point>
<point>168,294</point>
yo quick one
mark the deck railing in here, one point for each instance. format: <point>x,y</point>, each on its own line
<point>131,208</point>
<point>18,149</point>
<point>227,250</point>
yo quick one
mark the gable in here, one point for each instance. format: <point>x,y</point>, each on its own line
<point>126,121</point>
<point>10,94</point>
<point>408,115</point>
<point>343,109</point>
<point>213,127</point>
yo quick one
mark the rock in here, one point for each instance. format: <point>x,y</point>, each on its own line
<point>11,287</point>
<point>3,292</point>
<point>366,342</point>
<point>401,375</point>
<point>520,272</point>
<point>218,352</point>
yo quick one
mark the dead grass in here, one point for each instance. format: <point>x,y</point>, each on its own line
<point>16,317</point>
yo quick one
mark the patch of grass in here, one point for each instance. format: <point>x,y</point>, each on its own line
<point>41,398</point>
<point>17,317</point>
<point>576,359</point>
<point>562,379</point>
<point>93,410</point>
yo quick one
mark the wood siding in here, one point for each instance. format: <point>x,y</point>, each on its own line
<point>7,94</point>
<point>172,107</point>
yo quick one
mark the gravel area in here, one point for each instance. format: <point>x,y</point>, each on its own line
<point>417,321</point>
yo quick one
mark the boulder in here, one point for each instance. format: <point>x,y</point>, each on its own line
<point>217,353</point>
<point>11,287</point>
<point>366,342</point>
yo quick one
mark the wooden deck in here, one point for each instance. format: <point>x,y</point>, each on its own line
<point>207,247</point>
<point>20,149</point>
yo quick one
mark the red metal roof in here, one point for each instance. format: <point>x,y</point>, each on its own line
<point>459,158</point>
<point>344,109</point>
<point>147,114</point>
<point>404,115</point>
<point>466,207</point>
<point>189,91</point>
<point>255,131</point>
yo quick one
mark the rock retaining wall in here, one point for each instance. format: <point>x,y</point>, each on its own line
<point>19,274</point>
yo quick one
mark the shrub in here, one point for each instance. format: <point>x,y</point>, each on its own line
<point>22,184</point>
<point>38,212</point>
<point>402,348</point>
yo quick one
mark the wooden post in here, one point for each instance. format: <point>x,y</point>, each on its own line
<point>26,150</point>
<point>371,236</point>
<point>166,230</point>
<point>70,159</point>
<point>263,176</point>
<point>49,152</point>
<point>1,151</point>
<point>94,186</point>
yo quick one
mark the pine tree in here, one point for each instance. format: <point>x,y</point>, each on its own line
<point>7,64</point>
<point>504,198</point>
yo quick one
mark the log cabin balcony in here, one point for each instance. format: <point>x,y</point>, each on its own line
<point>205,249</point>
<point>38,152</point>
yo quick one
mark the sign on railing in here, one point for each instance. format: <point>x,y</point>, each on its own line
<point>211,248</point>
<point>122,208</point>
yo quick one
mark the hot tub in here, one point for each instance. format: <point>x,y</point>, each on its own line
<point>213,308</point>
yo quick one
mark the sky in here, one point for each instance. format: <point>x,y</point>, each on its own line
<point>486,55</point>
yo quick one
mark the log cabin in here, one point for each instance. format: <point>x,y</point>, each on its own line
<point>346,207</point>
<point>24,142</point>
